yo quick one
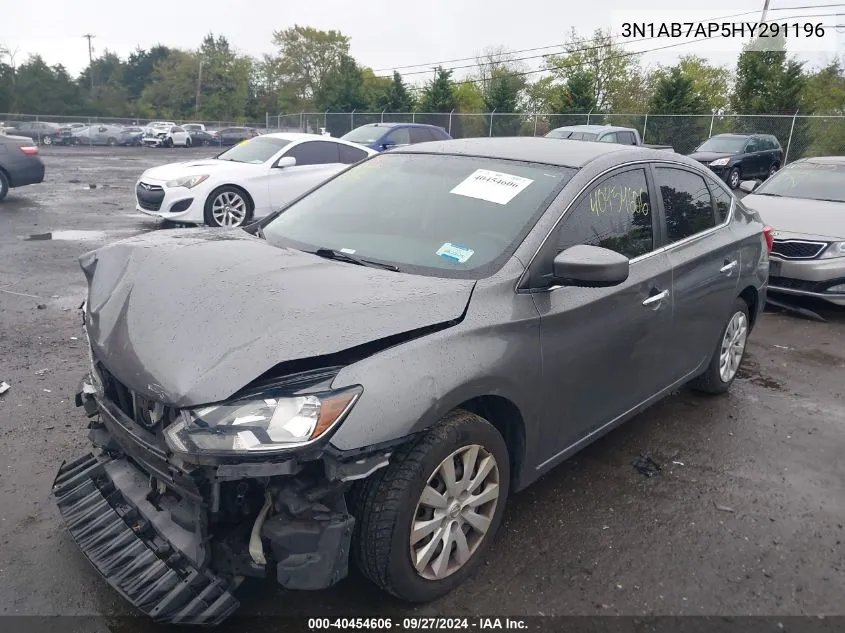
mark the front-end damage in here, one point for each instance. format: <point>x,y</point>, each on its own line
<point>176,538</point>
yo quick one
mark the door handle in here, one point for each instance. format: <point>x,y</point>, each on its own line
<point>660,296</point>
<point>728,268</point>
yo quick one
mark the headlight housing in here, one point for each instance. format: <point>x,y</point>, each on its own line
<point>720,162</point>
<point>836,249</point>
<point>189,182</point>
<point>268,422</point>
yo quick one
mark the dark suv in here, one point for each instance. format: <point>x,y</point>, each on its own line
<point>738,157</point>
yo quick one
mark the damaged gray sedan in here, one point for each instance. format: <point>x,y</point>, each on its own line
<point>369,372</point>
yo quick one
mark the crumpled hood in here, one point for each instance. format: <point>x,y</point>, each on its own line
<point>195,167</point>
<point>706,157</point>
<point>800,217</point>
<point>191,316</point>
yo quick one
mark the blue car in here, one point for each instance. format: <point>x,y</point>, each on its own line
<point>382,136</point>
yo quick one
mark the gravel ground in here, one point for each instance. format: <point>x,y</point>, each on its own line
<point>745,518</point>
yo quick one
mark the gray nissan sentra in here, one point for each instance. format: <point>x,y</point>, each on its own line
<point>371,371</point>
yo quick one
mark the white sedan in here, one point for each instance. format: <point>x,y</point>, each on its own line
<point>247,181</point>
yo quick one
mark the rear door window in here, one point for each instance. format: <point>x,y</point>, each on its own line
<point>686,202</point>
<point>315,153</point>
<point>421,135</point>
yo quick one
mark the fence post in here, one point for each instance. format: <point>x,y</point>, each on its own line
<point>352,120</point>
<point>326,120</point>
<point>535,123</point>
<point>588,116</point>
<point>382,115</point>
<point>266,121</point>
<point>712,119</point>
<point>645,127</point>
<point>414,115</point>
<point>450,121</point>
<point>789,142</point>
<point>492,114</point>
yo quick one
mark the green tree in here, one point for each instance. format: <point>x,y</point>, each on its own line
<point>502,94</point>
<point>710,82</point>
<point>607,64</point>
<point>579,94</point>
<point>376,91</point>
<point>824,93</point>
<point>398,98</point>
<point>139,69</point>
<point>767,82</point>
<point>439,94</point>
<point>225,80</point>
<point>43,89</point>
<point>110,96</point>
<point>342,88</point>
<point>305,56</point>
<point>171,92</point>
<point>674,96</point>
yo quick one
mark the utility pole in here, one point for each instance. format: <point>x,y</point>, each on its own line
<point>90,37</point>
<point>765,11</point>
<point>434,68</point>
<point>199,84</point>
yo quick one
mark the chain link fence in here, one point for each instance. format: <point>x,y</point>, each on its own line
<point>800,135</point>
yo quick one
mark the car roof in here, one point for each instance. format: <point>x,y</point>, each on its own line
<point>740,135</point>
<point>823,160</point>
<point>294,136</point>
<point>591,128</point>
<point>397,123</point>
<point>550,151</point>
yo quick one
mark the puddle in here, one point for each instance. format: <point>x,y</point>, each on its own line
<point>750,371</point>
<point>72,236</point>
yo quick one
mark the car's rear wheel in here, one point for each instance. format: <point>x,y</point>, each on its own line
<point>424,522</point>
<point>729,352</point>
<point>188,142</point>
<point>228,207</point>
<point>734,178</point>
<point>4,185</point>
<point>47,140</point>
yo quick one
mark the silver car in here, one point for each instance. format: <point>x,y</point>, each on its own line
<point>805,205</point>
<point>369,372</point>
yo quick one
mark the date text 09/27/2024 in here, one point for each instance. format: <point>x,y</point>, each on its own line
<point>723,29</point>
<point>416,624</point>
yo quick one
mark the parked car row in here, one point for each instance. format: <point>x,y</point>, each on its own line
<point>161,134</point>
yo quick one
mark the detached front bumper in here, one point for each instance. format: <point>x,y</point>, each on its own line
<point>175,541</point>
<point>105,508</point>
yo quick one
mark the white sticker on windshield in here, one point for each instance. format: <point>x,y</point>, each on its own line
<point>348,251</point>
<point>493,186</point>
<point>454,252</point>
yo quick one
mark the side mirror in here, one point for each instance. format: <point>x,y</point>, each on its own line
<point>748,186</point>
<point>286,161</point>
<point>387,145</point>
<point>590,267</point>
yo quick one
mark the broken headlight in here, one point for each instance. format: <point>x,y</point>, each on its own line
<point>261,423</point>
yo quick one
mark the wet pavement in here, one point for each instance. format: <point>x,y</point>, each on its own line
<point>743,513</point>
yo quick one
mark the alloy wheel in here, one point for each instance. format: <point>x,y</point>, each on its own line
<point>733,346</point>
<point>229,209</point>
<point>734,179</point>
<point>454,512</point>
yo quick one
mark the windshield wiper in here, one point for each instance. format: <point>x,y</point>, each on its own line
<point>330,253</point>
<point>764,193</point>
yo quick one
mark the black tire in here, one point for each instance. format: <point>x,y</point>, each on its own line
<point>208,214</point>
<point>711,381</point>
<point>188,143</point>
<point>168,142</point>
<point>4,185</point>
<point>47,140</point>
<point>734,178</point>
<point>773,170</point>
<point>384,506</point>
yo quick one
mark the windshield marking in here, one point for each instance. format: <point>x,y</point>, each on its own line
<point>348,251</point>
<point>492,186</point>
<point>457,253</point>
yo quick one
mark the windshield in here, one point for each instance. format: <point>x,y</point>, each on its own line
<point>447,216</point>
<point>365,134</point>
<point>812,181</point>
<point>572,135</point>
<point>723,144</point>
<point>254,151</point>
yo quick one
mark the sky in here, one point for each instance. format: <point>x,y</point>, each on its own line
<point>386,34</point>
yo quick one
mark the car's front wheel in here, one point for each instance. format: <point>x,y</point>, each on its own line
<point>47,140</point>
<point>729,352</point>
<point>188,143</point>
<point>227,207</point>
<point>4,185</point>
<point>734,178</point>
<point>424,522</point>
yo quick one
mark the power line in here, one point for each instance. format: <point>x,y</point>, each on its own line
<point>541,48</point>
<point>616,56</point>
